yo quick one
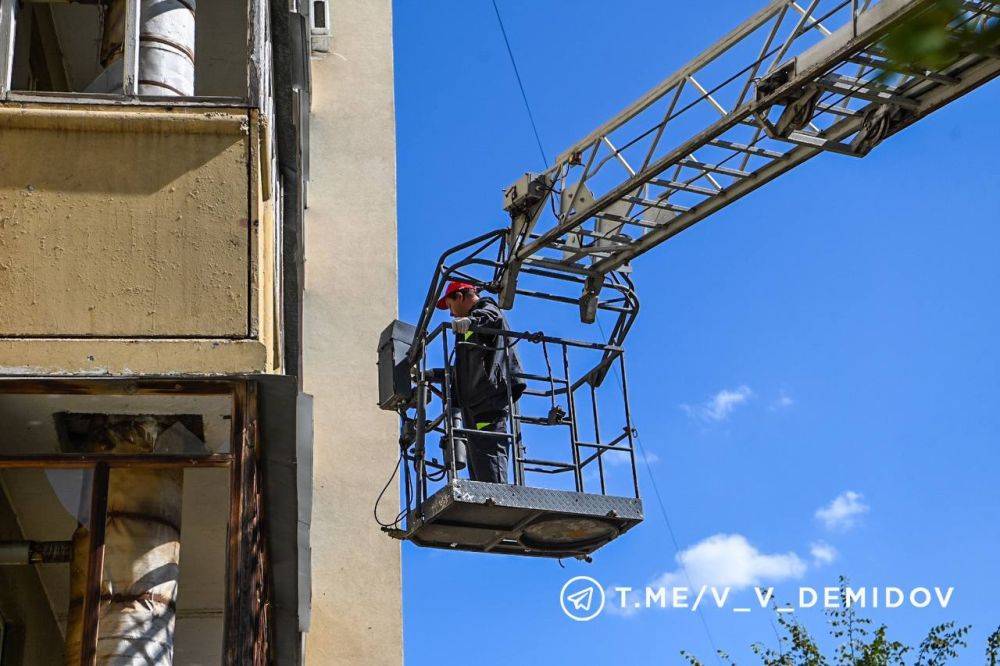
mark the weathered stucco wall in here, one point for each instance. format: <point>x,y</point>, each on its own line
<point>350,296</point>
<point>102,357</point>
<point>135,240</point>
<point>112,226</point>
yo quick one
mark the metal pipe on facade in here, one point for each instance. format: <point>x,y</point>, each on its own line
<point>166,44</point>
<point>19,553</point>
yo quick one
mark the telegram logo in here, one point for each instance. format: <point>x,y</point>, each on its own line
<point>582,598</point>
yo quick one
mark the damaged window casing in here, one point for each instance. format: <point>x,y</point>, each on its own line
<point>164,204</point>
<point>155,187</point>
<point>126,50</point>
<point>123,519</point>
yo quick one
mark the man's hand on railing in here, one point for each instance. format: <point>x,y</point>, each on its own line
<point>461,325</point>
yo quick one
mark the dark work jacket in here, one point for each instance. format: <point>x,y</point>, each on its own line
<point>481,364</point>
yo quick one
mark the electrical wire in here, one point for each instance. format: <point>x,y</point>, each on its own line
<point>520,84</point>
<point>656,490</point>
<point>663,512</point>
<point>378,500</point>
<point>670,531</point>
<point>642,451</point>
<point>401,460</point>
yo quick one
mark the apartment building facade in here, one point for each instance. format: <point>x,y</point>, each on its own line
<point>173,276</point>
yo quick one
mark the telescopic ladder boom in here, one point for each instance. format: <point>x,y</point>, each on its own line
<point>796,79</point>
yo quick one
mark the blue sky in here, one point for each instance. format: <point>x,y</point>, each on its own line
<point>832,335</point>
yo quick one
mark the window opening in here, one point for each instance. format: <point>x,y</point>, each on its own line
<point>183,49</point>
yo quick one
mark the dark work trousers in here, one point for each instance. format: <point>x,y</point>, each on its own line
<point>488,455</point>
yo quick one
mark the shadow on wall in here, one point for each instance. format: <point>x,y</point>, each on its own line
<point>111,163</point>
<point>124,223</point>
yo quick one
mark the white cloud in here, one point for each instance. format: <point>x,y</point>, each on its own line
<point>822,553</point>
<point>721,405</point>
<point>783,401</point>
<point>614,605</point>
<point>722,560</point>
<point>729,560</point>
<point>842,513</point>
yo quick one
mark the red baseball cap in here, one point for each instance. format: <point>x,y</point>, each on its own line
<point>453,286</point>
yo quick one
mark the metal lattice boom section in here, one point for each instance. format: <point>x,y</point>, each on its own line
<point>796,79</point>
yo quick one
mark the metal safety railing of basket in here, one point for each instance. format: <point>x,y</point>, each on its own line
<point>586,450</point>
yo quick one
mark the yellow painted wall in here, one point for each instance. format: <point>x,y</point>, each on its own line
<point>115,227</point>
<point>136,240</point>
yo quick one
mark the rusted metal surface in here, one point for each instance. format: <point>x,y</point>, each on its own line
<point>234,532</point>
<point>78,461</point>
<point>35,552</point>
<point>255,629</point>
<point>249,616</point>
<point>248,630</point>
<point>79,567</point>
<point>95,564</point>
<point>152,386</point>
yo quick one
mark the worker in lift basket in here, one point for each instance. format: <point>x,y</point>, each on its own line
<point>484,366</point>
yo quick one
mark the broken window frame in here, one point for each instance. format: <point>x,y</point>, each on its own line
<point>239,460</point>
<point>255,65</point>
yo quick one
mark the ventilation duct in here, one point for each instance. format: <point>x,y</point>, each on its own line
<point>166,48</point>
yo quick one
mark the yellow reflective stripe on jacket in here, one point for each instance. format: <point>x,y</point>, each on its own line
<point>468,334</point>
<point>482,424</point>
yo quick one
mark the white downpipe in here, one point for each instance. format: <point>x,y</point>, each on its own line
<point>166,48</point>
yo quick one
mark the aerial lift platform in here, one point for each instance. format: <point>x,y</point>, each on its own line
<point>797,79</point>
<point>572,516</point>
